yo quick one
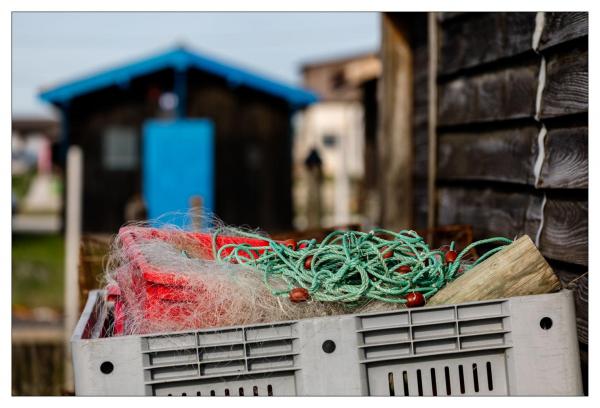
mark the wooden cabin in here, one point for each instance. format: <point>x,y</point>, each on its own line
<point>106,113</point>
<point>484,121</point>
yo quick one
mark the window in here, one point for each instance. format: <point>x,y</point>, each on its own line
<point>329,140</point>
<point>120,148</point>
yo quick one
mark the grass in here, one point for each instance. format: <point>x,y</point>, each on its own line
<point>38,271</point>
<point>21,184</point>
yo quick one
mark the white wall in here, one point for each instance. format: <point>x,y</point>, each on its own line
<point>342,162</point>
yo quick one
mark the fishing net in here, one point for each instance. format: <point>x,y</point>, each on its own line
<point>169,279</point>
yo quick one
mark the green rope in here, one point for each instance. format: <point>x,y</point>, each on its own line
<point>352,266</point>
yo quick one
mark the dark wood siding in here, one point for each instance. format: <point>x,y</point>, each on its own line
<point>253,145</point>
<point>253,148</point>
<point>495,110</point>
<point>107,191</point>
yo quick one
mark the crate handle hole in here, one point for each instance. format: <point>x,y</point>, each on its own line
<point>546,323</point>
<point>328,346</point>
<point>107,367</point>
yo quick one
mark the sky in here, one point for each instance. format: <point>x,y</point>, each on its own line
<point>52,48</point>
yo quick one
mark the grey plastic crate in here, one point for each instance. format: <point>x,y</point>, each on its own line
<point>517,346</point>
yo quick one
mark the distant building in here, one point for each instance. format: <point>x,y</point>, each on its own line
<point>108,115</point>
<point>32,142</point>
<point>340,127</point>
<point>36,181</point>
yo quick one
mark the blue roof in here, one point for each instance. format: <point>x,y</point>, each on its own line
<point>179,58</point>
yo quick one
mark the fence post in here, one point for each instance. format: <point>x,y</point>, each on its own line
<point>72,242</point>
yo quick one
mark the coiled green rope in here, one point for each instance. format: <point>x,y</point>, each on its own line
<point>351,266</point>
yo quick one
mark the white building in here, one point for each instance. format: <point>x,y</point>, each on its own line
<point>335,127</point>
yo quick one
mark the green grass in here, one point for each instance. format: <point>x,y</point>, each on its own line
<point>21,184</point>
<point>38,270</point>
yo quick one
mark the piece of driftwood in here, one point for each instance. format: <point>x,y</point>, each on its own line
<point>517,270</point>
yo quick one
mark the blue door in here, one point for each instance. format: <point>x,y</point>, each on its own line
<point>178,164</point>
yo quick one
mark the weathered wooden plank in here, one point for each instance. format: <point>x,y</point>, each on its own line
<point>517,270</point>
<point>421,153</point>
<point>503,213</point>
<point>583,354</point>
<point>566,159</point>
<point>574,277</point>
<point>490,212</point>
<point>565,232</point>
<point>491,96</point>
<point>420,203</point>
<point>581,308</point>
<point>506,155</point>
<point>394,138</point>
<point>451,15</point>
<point>562,27</point>
<point>566,87</point>
<point>484,38</point>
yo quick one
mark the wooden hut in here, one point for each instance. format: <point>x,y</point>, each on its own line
<point>106,114</point>
<point>484,121</point>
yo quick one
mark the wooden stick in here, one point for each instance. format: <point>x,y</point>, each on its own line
<point>432,36</point>
<point>517,270</point>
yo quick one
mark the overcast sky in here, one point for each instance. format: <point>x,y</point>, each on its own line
<point>50,48</point>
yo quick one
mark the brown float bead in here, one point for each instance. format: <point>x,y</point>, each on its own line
<point>404,269</point>
<point>298,295</point>
<point>386,253</point>
<point>451,256</point>
<point>415,299</point>
<point>290,243</point>
<point>308,262</point>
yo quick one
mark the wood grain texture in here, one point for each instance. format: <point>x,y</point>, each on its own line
<point>565,233</point>
<point>566,88</point>
<point>441,17</point>
<point>517,270</point>
<point>394,138</point>
<point>566,159</point>
<point>562,27</point>
<point>581,308</point>
<point>491,96</point>
<point>506,155</point>
<point>432,113</point>
<point>575,278</point>
<point>490,212</point>
<point>564,236</point>
<point>420,163</point>
<point>483,38</point>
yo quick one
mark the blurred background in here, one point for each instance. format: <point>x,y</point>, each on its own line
<point>459,125</point>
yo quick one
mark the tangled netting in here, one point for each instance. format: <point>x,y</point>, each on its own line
<point>349,266</point>
<point>167,279</point>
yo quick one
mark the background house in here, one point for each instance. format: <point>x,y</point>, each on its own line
<point>336,127</point>
<point>36,181</point>
<point>109,114</point>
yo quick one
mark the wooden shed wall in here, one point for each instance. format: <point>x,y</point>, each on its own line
<point>511,130</point>
<point>512,133</point>
<point>105,192</point>
<point>253,148</point>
